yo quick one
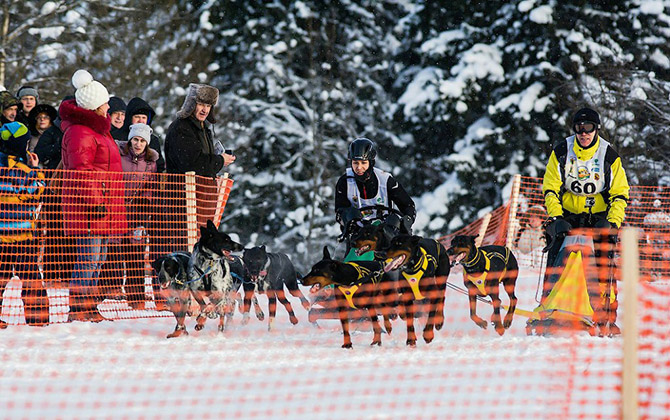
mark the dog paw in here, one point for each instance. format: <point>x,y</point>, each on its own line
<point>507,323</point>
<point>260,315</point>
<point>347,346</point>
<point>376,343</point>
<point>411,343</point>
<point>246,318</point>
<point>428,335</point>
<point>293,319</point>
<point>480,322</point>
<point>499,328</point>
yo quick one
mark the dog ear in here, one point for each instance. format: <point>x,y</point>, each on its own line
<point>157,264</point>
<point>414,240</point>
<point>263,248</point>
<point>211,226</point>
<point>326,254</point>
<point>204,233</point>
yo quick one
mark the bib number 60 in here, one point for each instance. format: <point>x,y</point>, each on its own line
<point>589,187</point>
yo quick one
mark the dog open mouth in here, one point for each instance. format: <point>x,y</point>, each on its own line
<point>395,263</point>
<point>362,250</point>
<point>458,258</point>
<point>315,288</point>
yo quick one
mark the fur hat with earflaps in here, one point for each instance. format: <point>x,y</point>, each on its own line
<point>198,93</point>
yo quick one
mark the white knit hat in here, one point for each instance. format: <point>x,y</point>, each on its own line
<point>140,130</point>
<point>90,94</point>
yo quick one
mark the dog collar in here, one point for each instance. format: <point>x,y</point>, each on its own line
<point>348,291</point>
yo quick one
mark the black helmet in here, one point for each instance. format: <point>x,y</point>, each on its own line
<point>362,149</point>
<point>586,115</point>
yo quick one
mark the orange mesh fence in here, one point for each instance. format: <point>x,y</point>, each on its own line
<point>467,358</point>
<point>74,240</point>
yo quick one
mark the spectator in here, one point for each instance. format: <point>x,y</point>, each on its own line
<point>139,171</point>
<point>138,111</point>
<point>117,112</point>
<point>21,187</point>
<point>29,98</point>
<point>585,186</point>
<point>48,147</point>
<point>93,192</point>
<point>657,236</point>
<point>9,107</point>
<point>59,249</point>
<point>40,119</point>
<point>189,144</point>
<point>530,239</point>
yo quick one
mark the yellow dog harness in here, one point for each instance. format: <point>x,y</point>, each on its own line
<point>480,280</point>
<point>348,291</point>
<point>414,278</point>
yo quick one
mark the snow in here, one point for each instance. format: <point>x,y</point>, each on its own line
<point>541,15</point>
<point>651,7</point>
<point>128,369</point>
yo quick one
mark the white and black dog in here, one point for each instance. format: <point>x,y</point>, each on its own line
<point>205,275</point>
<point>269,272</point>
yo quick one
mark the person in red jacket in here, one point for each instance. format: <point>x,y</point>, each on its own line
<point>93,189</point>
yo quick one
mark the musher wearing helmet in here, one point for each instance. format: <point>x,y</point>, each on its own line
<point>363,185</point>
<point>585,186</point>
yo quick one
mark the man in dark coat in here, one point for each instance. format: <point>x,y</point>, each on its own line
<point>189,145</point>
<point>138,111</point>
<point>117,112</point>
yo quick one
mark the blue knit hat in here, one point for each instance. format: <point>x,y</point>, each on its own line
<point>14,138</point>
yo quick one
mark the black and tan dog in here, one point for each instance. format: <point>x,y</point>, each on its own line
<point>484,269</point>
<point>270,272</point>
<point>357,285</point>
<point>424,268</point>
<point>369,238</point>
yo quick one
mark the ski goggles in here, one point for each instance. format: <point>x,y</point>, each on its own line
<point>584,127</point>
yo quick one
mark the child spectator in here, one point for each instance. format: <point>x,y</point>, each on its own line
<point>530,239</point>
<point>21,188</point>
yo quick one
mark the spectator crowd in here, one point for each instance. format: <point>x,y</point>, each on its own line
<point>92,166</point>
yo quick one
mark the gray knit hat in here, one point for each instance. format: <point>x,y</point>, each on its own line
<point>28,91</point>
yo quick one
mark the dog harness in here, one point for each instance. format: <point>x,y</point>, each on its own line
<point>348,291</point>
<point>418,271</point>
<point>480,280</point>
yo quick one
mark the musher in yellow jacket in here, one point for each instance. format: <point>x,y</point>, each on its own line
<point>585,186</point>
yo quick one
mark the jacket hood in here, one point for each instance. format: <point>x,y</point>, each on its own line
<point>71,114</point>
<point>135,105</point>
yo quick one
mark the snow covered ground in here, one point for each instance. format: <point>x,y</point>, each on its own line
<point>127,369</point>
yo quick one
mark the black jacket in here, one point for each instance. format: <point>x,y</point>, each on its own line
<point>48,147</point>
<point>121,134</point>
<point>189,147</point>
<point>368,189</point>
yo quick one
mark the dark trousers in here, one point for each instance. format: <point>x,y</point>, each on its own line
<point>604,242</point>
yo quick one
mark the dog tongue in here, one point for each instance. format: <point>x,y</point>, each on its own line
<point>395,263</point>
<point>315,288</point>
<point>362,250</point>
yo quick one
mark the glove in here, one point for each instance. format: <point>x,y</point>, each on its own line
<point>551,220</point>
<point>98,212</point>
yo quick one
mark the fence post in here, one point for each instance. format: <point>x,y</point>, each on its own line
<point>191,211</point>
<point>630,276</point>
<point>221,184</point>
<point>482,230</point>
<point>513,222</point>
